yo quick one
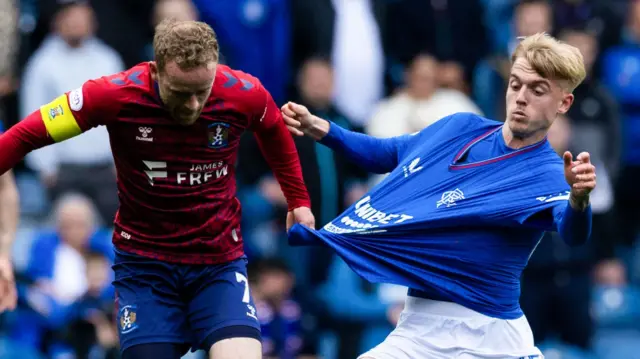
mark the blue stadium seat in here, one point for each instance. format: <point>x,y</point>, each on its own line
<point>33,197</point>
<point>621,74</point>
<point>617,344</point>
<point>616,307</point>
<point>557,350</point>
<point>633,263</point>
<point>11,350</point>
<point>22,244</point>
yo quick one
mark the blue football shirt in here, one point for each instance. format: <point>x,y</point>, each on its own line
<point>458,216</point>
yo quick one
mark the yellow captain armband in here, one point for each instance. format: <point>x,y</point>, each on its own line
<point>58,119</point>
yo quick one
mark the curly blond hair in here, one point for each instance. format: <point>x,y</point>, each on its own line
<point>190,44</point>
<point>552,59</point>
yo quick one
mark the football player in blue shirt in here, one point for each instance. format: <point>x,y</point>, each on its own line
<point>465,203</point>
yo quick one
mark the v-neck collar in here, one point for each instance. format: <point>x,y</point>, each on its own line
<point>458,166</point>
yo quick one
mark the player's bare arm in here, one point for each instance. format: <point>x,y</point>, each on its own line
<point>9,212</point>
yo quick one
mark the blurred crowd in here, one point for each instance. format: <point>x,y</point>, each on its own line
<point>382,67</point>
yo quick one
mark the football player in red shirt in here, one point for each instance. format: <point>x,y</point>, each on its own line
<point>175,125</point>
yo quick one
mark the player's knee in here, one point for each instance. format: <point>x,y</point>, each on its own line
<point>236,348</point>
<point>155,351</point>
<point>236,342</point>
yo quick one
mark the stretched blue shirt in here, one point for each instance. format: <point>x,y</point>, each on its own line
<point>458,216</point>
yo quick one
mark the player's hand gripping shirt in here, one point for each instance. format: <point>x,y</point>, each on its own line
<point>176,184</point>
<point>454,229</point>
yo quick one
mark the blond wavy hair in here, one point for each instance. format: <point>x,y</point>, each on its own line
<point>552,59</point>
<point>190,44</point>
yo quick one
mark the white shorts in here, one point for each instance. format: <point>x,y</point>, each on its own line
<point>432,329</point>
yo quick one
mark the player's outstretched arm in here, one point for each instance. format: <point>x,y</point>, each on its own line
<point>574,223</point>
<point>278,148</point>
<point>377,155</point>
<point>67,116</point>
<point>24,137</point>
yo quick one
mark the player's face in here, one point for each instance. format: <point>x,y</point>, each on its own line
<point>184,93</point>
<point>533,102</point>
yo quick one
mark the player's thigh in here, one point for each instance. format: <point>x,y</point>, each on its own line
<point>149,307</point>
<point>222,307</point>
<point>236,348</point>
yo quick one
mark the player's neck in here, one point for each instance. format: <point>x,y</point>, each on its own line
<point>516,142</point>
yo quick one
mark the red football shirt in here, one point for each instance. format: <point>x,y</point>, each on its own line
<point>176,184</point>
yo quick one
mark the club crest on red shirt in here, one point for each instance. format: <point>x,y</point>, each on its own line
<point>218,135</point>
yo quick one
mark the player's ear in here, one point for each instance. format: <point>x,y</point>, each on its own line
<point>153,67</point>
<point>567,101</point>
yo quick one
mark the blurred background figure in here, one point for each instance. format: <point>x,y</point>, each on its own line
<point>620,73</point>
<point>59,65</point>
<point>556,284</point>
<point>8,51</point>
<point>421,102</point>
<point>385,68</point>
<point>331,28</point>
<point>62,272</point>
<point>594,126</point>
<point>282,320</point>
<point>490,76</point>
<point>254,36</point>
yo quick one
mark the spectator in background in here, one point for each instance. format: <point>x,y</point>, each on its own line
<point>8,50</point>
<point>452,31</point>
<point>68,57</point>
<point>595,128</point>
<point>332,182</point>
<point>621,75</point>
<point>556,285</point>
<point>124,24</point>
<point>598,17</point>
<point>491,74</point>
<point>254,37</point>
<point>58,268</point>
<point>280,316</point>
<point>181,10</point>
<point>352,34</point>
<point>363,313</point>
<point>419,104</point>
<point>57,260</point>
<point>91,331</point>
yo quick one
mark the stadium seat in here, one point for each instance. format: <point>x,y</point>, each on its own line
<point>633,264</point>
<point>22,245</point>
<point>621,75</point>
<point>616,307</point>
<point>33,197</point>
<point>557,350</point>
<point>12,350</point>
<point>617,344</point>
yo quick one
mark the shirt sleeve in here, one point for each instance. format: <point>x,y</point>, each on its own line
<point>376,155</point>
<point>67,116</point>
<point>279,150</point>
<point>574,226</point>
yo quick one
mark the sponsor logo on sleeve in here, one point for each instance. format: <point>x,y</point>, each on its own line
<point>76,100</point>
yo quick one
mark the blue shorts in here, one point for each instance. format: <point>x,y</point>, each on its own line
<point>160,302</point>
